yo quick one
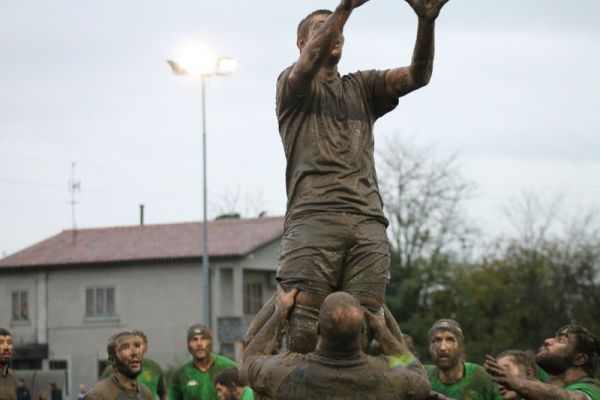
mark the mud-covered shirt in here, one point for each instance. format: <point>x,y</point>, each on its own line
<point>327,135</point>
<point>151,376</point>
<point>590,387</point>
<point>8,385</point>
<point>189,383</point>
<point>476,384</point>
<point>111,389</point>
<point>295,376</point>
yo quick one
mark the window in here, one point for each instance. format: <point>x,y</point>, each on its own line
<point>100,302</point>
<point>20,307</point>
<point>252,298</point>
<point>61,365</point>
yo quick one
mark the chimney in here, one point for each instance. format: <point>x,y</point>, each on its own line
<point>141,214</point>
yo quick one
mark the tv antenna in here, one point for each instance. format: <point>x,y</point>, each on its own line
<point>74,188</point>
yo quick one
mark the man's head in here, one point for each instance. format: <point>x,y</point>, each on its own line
<point>341,321</point>
<point>199,340</point>
<point>446,344</point>
<point>518,363</point>
<point>21,383</point>
<point>52,386</point>
<point>6,347</point>
<point>572,346</point>
<point>309,25</point>
<point>82,388</point>
<point>125,353</point>
<point>229,385</point>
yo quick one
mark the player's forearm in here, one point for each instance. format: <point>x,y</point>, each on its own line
<point>318,48</point>
<point>534,390</point>
<point>265,340</point>
<point>423,54</point>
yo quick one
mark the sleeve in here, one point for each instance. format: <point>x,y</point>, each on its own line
<point>286,98</point>
<point>374,86</point>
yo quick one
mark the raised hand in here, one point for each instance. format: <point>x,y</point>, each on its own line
<point>351,4</point>
<point>427,9</point>
<point>498,373</point>
<point>285,300</point>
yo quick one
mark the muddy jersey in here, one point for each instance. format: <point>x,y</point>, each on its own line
<point>189,383</point>
<point>588,386</point>
<point>295,376</point>
<point>151,376</point>
<point>327,136</point>
<point>476,384</point>
<point>111,389</point>
<point>8,385</point>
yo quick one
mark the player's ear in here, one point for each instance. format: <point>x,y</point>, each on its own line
<point>300,42</point>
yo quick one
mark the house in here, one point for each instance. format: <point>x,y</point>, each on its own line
<point>68,294</point>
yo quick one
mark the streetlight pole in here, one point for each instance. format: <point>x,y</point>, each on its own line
<point>206,286</point>
<point>223,66</point>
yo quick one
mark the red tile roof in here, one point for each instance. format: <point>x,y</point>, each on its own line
<point>226,238</point>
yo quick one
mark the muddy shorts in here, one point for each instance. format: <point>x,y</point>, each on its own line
<point>332,251</point>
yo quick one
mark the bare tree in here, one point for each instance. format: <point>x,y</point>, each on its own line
<point>423,200</point>
<point>233,201</point>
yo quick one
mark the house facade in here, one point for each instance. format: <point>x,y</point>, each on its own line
<point>67,295</point>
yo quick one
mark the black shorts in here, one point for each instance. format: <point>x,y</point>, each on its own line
<point>332,251</point>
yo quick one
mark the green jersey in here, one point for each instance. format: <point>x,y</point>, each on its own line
<point>151,376</point>
<point>475,384</point>
<point>588,386</point>
<point>189,383</point>
<point>249,395</point>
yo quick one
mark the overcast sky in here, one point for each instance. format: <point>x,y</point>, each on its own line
<point>515,90</point>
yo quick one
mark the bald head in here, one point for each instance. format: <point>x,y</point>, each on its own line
<point>341,318</point>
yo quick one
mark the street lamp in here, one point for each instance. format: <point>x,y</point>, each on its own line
<point>204,66</point>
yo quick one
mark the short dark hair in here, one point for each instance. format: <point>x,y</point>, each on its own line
<point>304,25</point>
<point>520,357</point>
<point>230,378</point>
<point>111,346</point>
<point>4,332</point>
<point>140,334</point>
<point>585,342</point>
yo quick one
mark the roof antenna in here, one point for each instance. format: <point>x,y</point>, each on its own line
<point>74,188</point>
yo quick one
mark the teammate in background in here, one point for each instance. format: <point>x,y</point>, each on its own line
<point>570,358</point>
<point>231,387</point>
<point>8,380</point>
<point>151,376</point>
<point>125,353</point>
<point>194,379</point>
<point>518,363</point>
<point>451,375</point>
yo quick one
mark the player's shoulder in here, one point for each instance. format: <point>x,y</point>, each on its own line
<point>222,361</point>
<point>102,390</point>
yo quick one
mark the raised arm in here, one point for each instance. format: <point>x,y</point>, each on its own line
<point>400,81</point>
<point>401,359</point>
<point>526,388</point>
<point>265,340</point>
<point>316,48</point>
